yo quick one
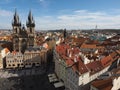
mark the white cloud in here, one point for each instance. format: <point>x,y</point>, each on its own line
<point>80,19</point>
<point>5,19</point>
<point>5,13</point>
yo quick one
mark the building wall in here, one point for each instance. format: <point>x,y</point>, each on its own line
<point>14,60</point>
<point>72,80</point>
<point>56,59</point>
<point>116,84</point>
<point>84,78</point>
<point>94,76</point>
<point>28,59</point>
<point>93,88</point>
<point>60,67</point>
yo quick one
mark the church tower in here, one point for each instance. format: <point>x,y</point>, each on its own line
<point>20,36</point>
<point>23,38</point>
<point>16,24</point>
<point>30,30</point>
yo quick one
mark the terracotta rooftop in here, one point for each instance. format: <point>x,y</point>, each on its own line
<point>62,49</point>
<point>106,61</point>
<point>72,59</point>
<point>81,67</point>
<point>94,67</point>
<point>6,50</point>
<point>115,55</point>
<point>105,84</point>
<point>77,66</point>
<point>88,46</point>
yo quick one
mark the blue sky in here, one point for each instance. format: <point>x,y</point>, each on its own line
<point>59,14</point>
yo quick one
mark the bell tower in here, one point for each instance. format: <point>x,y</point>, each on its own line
<point>30,29</point>
<point>16,24</point>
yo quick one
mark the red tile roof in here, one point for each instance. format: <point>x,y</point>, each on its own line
<point>88,46</point>
<point>77,66</point>
<point>114,55</point>
<point>106,61</point>
<point>62,49</point>
<point>81,67</point>
<point>6,50</point>
<point>94,66</point>
<point>105,84</point>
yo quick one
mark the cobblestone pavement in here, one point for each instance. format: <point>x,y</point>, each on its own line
<point>22,72</point>
<point>27,79</point>
<point>34,82</point>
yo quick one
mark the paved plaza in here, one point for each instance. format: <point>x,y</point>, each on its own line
<point>21,72</point>
<point>27,79</point>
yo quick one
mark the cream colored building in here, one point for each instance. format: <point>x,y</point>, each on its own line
<point>14,59</point>
<point>75,71</point>
<point>31,57</point>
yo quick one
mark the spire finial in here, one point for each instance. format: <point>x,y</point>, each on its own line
<point>30,17</point>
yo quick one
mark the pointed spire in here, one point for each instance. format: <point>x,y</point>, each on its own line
<point>15,21</point>
<point>30,21</point>
<point>16,17</point>
<point>15,12</point>
<point>30,17</point>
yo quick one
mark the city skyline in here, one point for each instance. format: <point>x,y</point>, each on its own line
<point>60,14</point>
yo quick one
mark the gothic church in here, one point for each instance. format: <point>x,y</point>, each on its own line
<point>23,37</point>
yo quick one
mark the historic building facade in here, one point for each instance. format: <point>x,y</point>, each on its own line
<point>32,57</point>
<point>22,37</point>
<point>25,53</point>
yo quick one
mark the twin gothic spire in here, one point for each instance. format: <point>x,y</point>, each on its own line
<point>16,21</point>
<point>30,22</point>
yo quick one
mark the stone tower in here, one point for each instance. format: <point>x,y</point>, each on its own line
<point>30,30</point>
<point>16,24</point>
<point>20,36</point>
